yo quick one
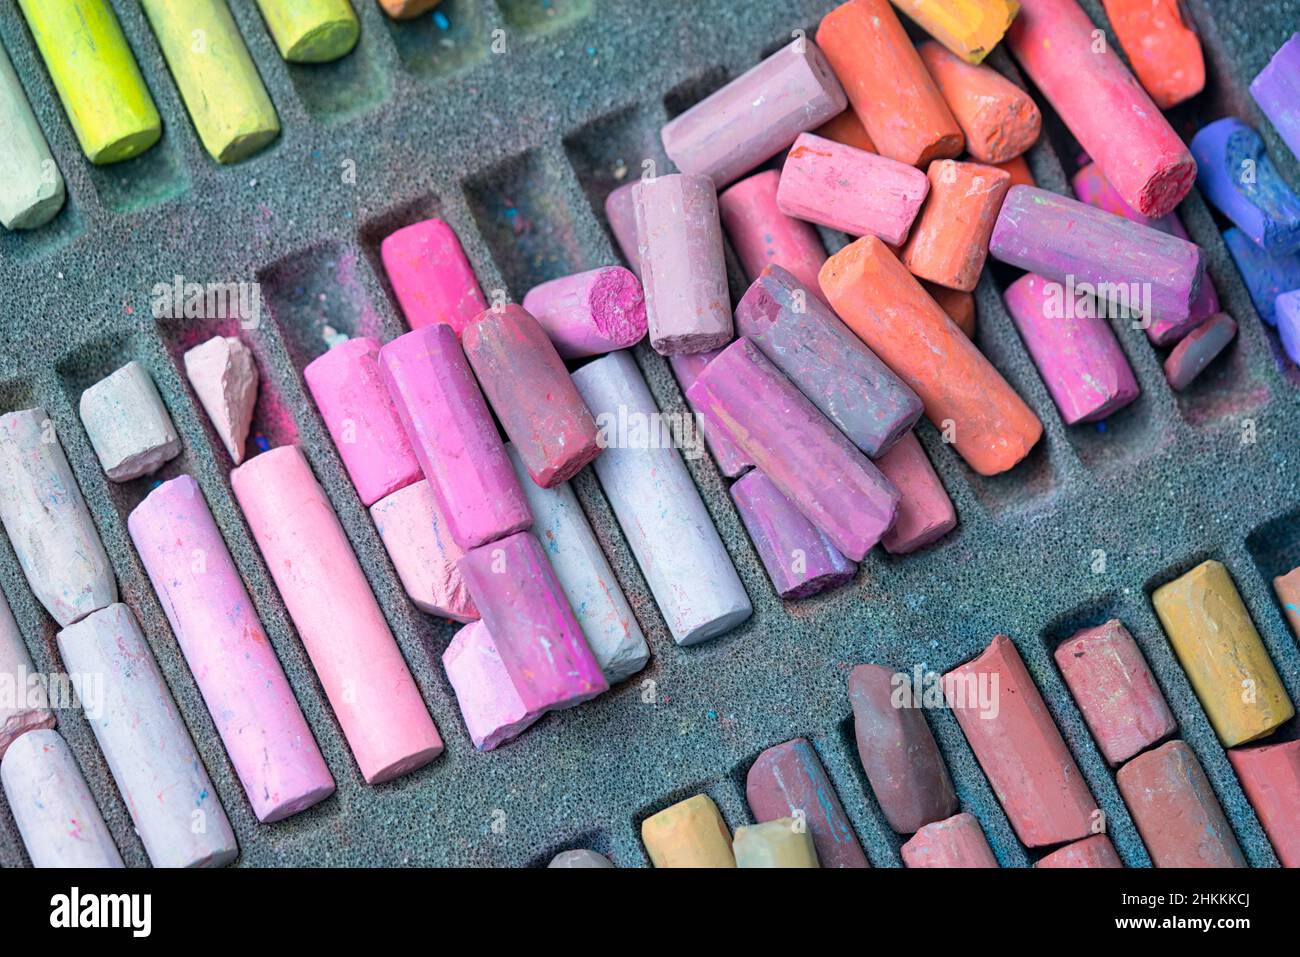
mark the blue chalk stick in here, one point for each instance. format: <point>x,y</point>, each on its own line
<point>1266,276</point>
<point>1237,176</point>
<point>1288,323</point>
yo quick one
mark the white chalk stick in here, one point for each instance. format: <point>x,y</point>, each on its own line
<point>224,377</point>
<point>24,705</point>
<point>128,424</point>
<point>31,187</point>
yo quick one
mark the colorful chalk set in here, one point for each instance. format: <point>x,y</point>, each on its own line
<point>888,285</point>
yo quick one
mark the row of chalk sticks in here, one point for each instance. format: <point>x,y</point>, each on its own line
<point>109,105</point>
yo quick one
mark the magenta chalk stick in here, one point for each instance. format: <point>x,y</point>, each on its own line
<point>590,313</point>
<point>326,593</point>
<point>1198,349</point>
<point>800,450</point>
<point>455,440</point>
<point>489,702</point>
<point>529,388</point>
<point>957,841</point>
<point>620,212</point>
<point>845,188</point>
<point>431,277</point>
<point>225,646</point>
<point>925,512</point>
<point>1095,851</point>
<point>764,236</point>
<point>1078,356</point>
<point>359,413</point>
<point>731,461</point>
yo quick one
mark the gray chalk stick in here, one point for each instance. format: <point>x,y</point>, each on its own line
<point>128,424</point>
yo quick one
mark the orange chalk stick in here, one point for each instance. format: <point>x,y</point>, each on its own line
<point>1162,46</point>
<point>1000,119</point>
<point>965,397</point>
<point>1021,175</point>
<point>888,85</point>
<point>407,9</point>
<point>950,239</point>
<point>847,129</point>
<point>960,306</point>
<point>969,28</point>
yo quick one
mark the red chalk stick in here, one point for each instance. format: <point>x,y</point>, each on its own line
<point>956,842</point>
<point>1095,851</point>
<point>1270,776</point>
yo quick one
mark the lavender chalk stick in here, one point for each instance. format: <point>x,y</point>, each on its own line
<point>1277,91</point>
<point>620,212</point>
<point>797,447</point>
<point>128,424</point>
<point>47,520</point>
<point>925,512</point>
<point>148,749</point>
<point>1288,323</point>
<point>658,507</point>
<point>1237,176</point>
<point>25,706</point>
<point>493,709</point>
<point>1266,276</point>
<point>415,535</point>
<point>1142,269</point>
<point>731,461</point>
<point>1200,347</point>
<point>831,366</point>
<point>590,313</point>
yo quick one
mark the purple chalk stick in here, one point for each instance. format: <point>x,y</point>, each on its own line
<point>1288,323</point>
<point>1277,91</point>
<point>620,211</point>
<point>925,512</point>
<point>1266,276</point>
<point>731,461</point>
<point>1237,176</point>
<point>1202,345</point>
<point>590,313</point>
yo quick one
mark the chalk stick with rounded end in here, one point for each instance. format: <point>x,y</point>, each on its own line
<point>1095,851</point>
<point>580,859</point>
<point>957,841</point>
<point>590,313</point>
<point>1000,120</point>
<point>424,554</point>
<point>925,512</point>
<point>764,236</point>
<point>970,29</point>
<point>1198,349</point>
<point>431,276</point>
<point>311,31</point>
<point>26,707</point>
<point>128,424</point>
<point>1270,776</point>
<point>1287,313</point>
<point>731,461</point>
<point>783,842</point>
<point>31,187</point>
<point>490,702</point>
<point>1237,176</point>
<point>224,377</point>
<point>1162,45</point>
<point>691,833</point>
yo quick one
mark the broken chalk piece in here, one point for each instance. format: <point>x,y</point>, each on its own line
<point>1277,91</point>
<point>763,236</point>
<point>423,553</point>
<point>1095,851</point>
<point>691,833</point>
<point>1266,276</point>
<point>26,706</point>
<point>430,276</point>
<point>1198,349</point>
<point>783,842</point>
<point>1162,46</point>
<point>969,28</point>
<point>579,859</point>
<point>1000,120</point>
<point>489,701</point>
<point>31,187</point>
<point>1237,176</point>
<point>731,461</point>
<point>590,313</point>
<point>950,239</point>
<point>128,424</point>
<point>224,377</point>
<point>957,841</point>
<point>620,212</point>
<point>1270,776</point>
<point>311,31</point>
<point>925,512</point>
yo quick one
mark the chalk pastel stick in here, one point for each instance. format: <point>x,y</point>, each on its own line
<point>959,306</point>
<point>856,192</point>
<point>1270,776</point>
<point>657,505</point>
<point>407,9</point>
<point>128,424</point>
<point>531,393</point>
<point>950,239</point>
<point>314,31</point>
<point>224,377</point>
<point>731,460</point>
<point>57,818</point>
<point>351,648</point>
<point>964,396</point>
<point>1105,108</point>
<point>1176,811</point>
<point>799,559</point>
<point>31,186</point>
<point>1162,46</point>
<point>898,752</point>
<point>888,85</point>
<point>1217,644</point>
<point>1198,349</point>
<point>453,435</point>
<point>1018,746</point>
<point>788,782</point>
<point>590,313</point>
<point>620,213</point>
<point>1287,313</point>
<point>799,449</point>
<point>26,705</point>
<point>1110,681</point>
<point>1288,594</point>
<point>1074,348</point>
<point>756,115</point>
<point>580,859</point>
<point>925,512</point>
<point>1095,851</point>
<point>969,28</point>
<point>493,709</point>
<point>171,800</point>
<point>359,414</point>
<point>430,276</point>
<point>847,129</point>
<point>96,76</point>
<point>1277,91</point>
<point>1236,174</point>
<point>589,584</point>
<point>1266,275</point>
<point>679,242</point>
<point>691,833</point>
<point>780,843</point>
<point>47,521</point>
<point>416,537</point>
<point>957,841</point>
<point>225,646</point>
<point>764,236</point>
<point>999,119</point>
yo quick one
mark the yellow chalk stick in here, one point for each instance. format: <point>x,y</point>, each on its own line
<point>311,31</point>
<point>969,28</point>
<point>784,842</point>
<point>691,833</point>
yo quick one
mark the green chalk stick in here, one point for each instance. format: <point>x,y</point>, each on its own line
<point>311,31</point>
<point>92,67</point>
<point>31,187</point>
<point>225,97</point>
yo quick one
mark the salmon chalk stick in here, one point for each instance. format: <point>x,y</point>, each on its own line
<point>128,424</point>
<point>888,85</point>
<point>1105,108</point>
<point>31,187</point>
<point>843,188</point>
<point>26,707</point>
<point>925,512</point>
<point>1162,45</point>
<point>999,119</point>
<point>756,115</point>
<point>1125,710</point>
<point>1224,658</point>
<point>683,272</point>
<point>764,236</point>
<point>1239,179</point>
<point>950,239</point>
<point>171,800</point>
<point>658,507</point>
<point>415,535</point>
<point>225,646</point>
<point>223,375</point>
<point>430,276</point>
<point>1288,594</point>
<point>1018,746</point>
<point>1095,851</point>
<point>691,833</point>
<point>964,396</point>
<point>531,393</point>
<point>1277,91</point>
<point>731,461</point>
<point>491,705</point>
<point>1021,174</point>
<point>47,521</point>
<point>780,843</point>
<point>407,9</point>
<point>1267,276</point>
<point>969,28</point>
<point>1270,776</point>
<point>315,31</point>
<point>960,306</point>
<point>957,841</point>
<point>455,440</point>
<point>326,593</point>
<point>1175,810</point>
<point>590,313</point>
<point>57,818</point>
<point>799,449</point>
<point>1198,349</point>
<point>847,129</point>
<point>96,76</point>
<point>620,213</point>
<point>580,859</point>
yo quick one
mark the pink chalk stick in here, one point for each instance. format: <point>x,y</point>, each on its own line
<point>454,437</point>
<point>431,277</point>
<point>764,236</point>
<point>423,552</point>
<point>326,593</point>
<point>350,393</point>
<point>1095,851</point>
<point>494,712</point>
<point>731,460</point>
<point>620,212</point>
<point>845,188</point>
<point>956,842</point>
<point>590,313</point>
<point>925,513</point>
<point>223,642</point>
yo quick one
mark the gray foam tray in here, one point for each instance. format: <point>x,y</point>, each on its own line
<point>516,150</point>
